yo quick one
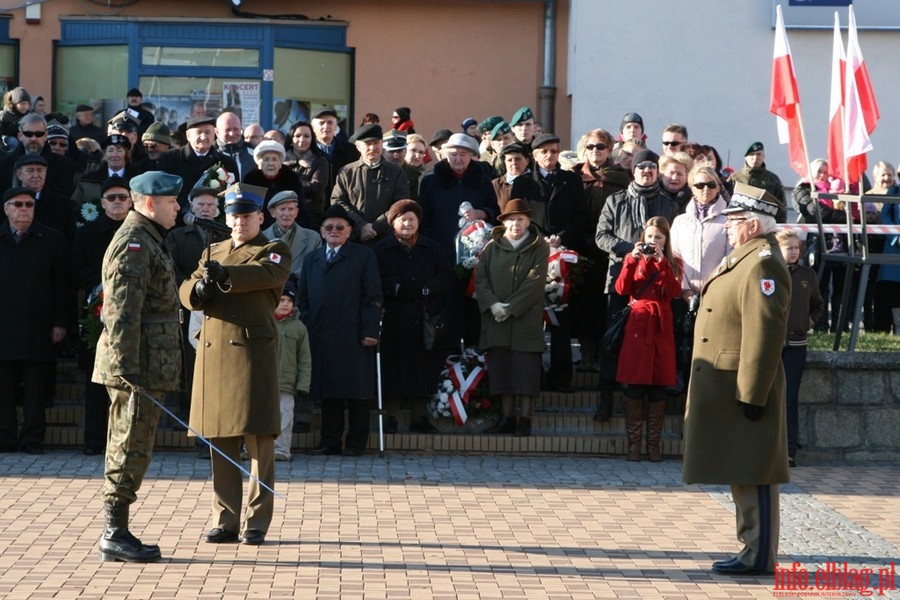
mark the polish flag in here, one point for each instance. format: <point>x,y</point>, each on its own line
<point>785,100</point>
<point>836,109</point>
<point>860,108</point>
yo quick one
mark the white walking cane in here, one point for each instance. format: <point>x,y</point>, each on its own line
<point>378,381</point>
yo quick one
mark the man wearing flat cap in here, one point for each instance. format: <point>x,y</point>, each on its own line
<point>145,118</point>
<point>284,209</point>
<point>367,188</point>
<point>559,211</point>
<point>139,347</point>
<point>339,296</point>
<point>84,126</point>
<point>337,151</point>
<point>735,421</point>
<point>34,309</point>
<point>235,391</point>
<point>754,173</point>
<point>198,155</point>
<point>51,208</point>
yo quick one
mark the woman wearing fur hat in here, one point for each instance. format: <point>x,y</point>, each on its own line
<point>509,285</point>
<point>414,276</point>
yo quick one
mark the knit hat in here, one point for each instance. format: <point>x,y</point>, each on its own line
<point>19,94</point>
<point>631,117</point>
<point>643,156</point>
<point>158,132</point>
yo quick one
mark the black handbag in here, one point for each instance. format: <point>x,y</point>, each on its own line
<point>615,329</point>
<point>434,329</point>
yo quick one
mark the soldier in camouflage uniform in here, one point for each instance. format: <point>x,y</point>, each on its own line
<point>755,173</point>
<point>140,345</point>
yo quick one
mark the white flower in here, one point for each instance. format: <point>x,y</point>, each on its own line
<point>230,179</point>
<point>220,173</point>
<point>89,212</point>
<point>448,385</point>
<point>214,184</point>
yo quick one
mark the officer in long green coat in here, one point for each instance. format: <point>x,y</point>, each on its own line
<point>235,391</point>
<point>735,429</point>
<point>140,345</point>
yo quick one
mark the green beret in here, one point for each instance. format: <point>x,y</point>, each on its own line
<point>501,128</point>
<point>488,124</point>
<point>523,114</point>
<point>156,183</point>
<point>754,147</point>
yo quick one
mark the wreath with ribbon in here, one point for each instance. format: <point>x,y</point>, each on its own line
<point>463,391</point>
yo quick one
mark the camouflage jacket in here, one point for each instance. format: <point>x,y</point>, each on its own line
<point>141,333</point>
<point>767,180</point>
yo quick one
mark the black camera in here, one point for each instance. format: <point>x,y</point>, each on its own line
<point>646,248</point>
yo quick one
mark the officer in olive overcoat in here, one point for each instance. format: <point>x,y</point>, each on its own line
<point>735,423</point>
<point>235,389</point>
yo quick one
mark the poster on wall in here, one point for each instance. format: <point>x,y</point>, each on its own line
<point>205,103</point>
<point>242,98</point>
<point>287,111</point>
<point>172,110</point>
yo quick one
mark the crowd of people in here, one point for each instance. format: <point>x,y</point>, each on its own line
<point>334,249</point>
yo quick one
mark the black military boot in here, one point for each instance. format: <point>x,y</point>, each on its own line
<point>118,543</point>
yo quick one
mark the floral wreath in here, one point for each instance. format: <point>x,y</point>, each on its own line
<point>463,391</point>
<point>558,288</point>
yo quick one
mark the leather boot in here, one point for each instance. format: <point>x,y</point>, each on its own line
<point>634,427</point>
<point>504,425</point>
<point>118,543</point>
<point>604,411</point>
<point>523,427</point>
<point>656,418</point>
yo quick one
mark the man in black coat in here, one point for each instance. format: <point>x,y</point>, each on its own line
<point>35,317</point>
<point>84,126</point>
<point>340,299</point>
<point>337,151</point>
<point>559,211</point>
<point>33,140</point>
<point>192,161</point>
<point>85,264</point>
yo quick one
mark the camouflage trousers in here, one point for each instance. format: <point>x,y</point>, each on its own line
<point>129,444</point>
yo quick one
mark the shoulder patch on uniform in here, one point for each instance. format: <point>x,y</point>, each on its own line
<point>767,286</point>
<point>134,247</point>
<point>275,258</point>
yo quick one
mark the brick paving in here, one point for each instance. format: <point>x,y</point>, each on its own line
<point>431,526</point>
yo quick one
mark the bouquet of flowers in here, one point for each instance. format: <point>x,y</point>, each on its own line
<point>215,177</point>
<point>92,323</point>
<point>463,392</point>
<point>470,241</point>
<point>560,275</point>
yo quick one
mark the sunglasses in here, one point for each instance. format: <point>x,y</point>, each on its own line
<point>706,184</point>
<point>646,165</point>
<point>20,203</point>
<point>334,227</point>
<point>116,197</point>
<point>597,146</point>
<point>671,143</point>
<point>31,134</point>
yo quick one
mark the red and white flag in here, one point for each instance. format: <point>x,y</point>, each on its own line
<point>785,100</point>
<point>836,108</point>
<point>860,109</point>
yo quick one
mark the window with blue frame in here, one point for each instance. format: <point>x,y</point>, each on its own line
<point>268,73</point>
<point>8,47</point>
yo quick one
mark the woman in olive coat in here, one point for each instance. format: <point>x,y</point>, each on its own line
<point>509,284</point>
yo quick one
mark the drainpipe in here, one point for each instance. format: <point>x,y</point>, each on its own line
<point>548,87</point>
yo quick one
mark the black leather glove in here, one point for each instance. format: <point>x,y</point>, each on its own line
<point>408,291</point>
<point>204,290</point>
<point>214,271</point>
<point>751,411</point>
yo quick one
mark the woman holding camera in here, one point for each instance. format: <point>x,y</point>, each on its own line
<point>651,278</point>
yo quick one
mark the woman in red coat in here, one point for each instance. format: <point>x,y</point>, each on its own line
<point>647,357</point>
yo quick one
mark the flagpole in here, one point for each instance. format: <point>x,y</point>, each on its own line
<point>809,175</point>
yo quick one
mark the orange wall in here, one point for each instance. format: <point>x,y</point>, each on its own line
<point>447,60</point>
